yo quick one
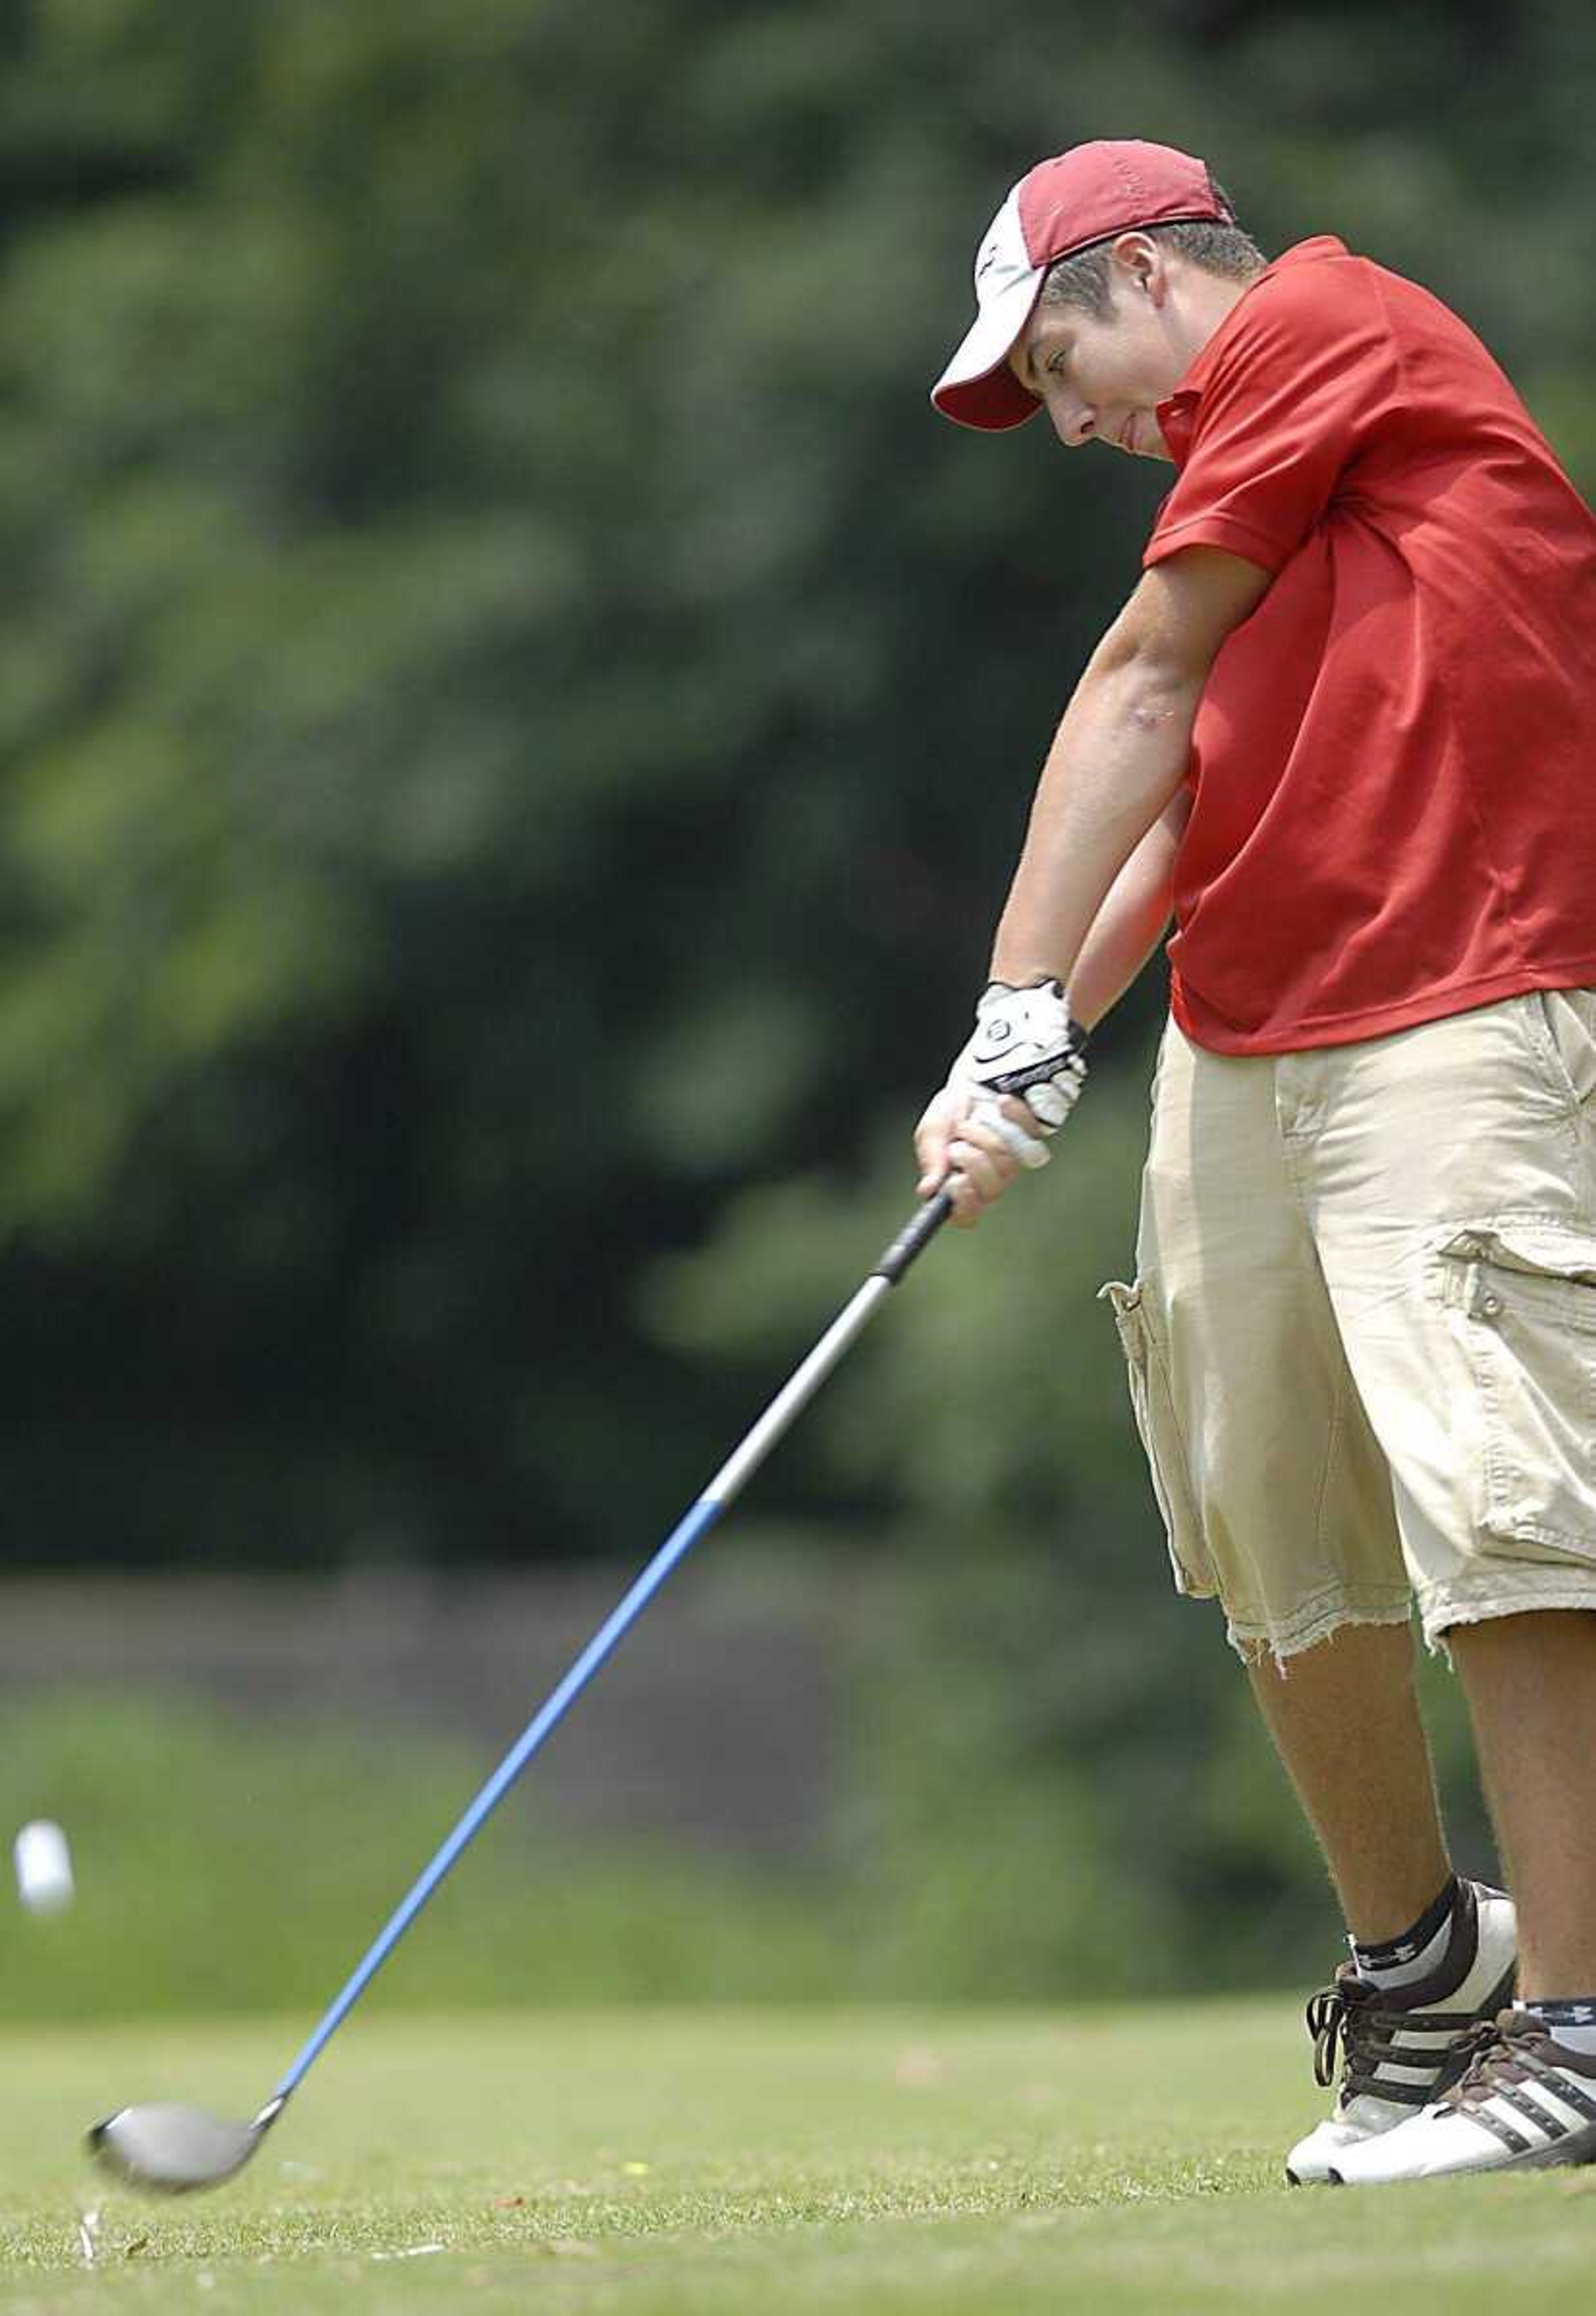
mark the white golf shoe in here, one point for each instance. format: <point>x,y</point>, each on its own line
<point>1523,2102</point>
<point>1400,2047</point>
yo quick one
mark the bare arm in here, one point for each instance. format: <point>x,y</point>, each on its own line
<point>1132,920</point>
<point>1091,894</point>
<point>1119,755</point>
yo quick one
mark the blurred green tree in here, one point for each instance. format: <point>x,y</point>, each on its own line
<point>517,714</point>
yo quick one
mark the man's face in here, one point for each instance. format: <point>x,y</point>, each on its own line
<point>1101,381</point>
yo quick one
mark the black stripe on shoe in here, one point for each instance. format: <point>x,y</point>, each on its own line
<point>1510,2139</point>
<point>1522,2098</point>
<point>1559,2086</point>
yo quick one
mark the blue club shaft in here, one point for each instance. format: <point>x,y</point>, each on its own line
<point>686,1534</point>
<point>727,1485</point>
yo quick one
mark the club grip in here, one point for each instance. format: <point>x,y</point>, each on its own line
<point>916,1234</point>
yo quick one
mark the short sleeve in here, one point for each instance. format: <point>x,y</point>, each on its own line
<point>1297,392</point>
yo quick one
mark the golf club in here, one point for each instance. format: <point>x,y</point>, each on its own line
<point>174,2149</point>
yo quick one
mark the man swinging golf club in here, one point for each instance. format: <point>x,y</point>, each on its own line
<point>1342,730</point>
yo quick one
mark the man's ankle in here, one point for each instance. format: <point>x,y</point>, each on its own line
<point>1415,1953</point>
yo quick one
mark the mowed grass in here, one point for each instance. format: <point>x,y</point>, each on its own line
<point>697,2162</point>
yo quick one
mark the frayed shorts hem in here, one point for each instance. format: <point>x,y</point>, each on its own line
<point>1442,1607</point>
<point>1320,1616</point>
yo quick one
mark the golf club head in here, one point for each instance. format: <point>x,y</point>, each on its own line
<point>172,2151</point>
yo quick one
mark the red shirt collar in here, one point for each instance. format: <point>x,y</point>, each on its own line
<point>1177,417</point>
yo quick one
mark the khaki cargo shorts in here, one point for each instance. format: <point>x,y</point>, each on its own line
<point>1362,1335</point>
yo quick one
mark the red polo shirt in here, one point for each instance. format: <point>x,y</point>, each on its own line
<point>1394,761</point>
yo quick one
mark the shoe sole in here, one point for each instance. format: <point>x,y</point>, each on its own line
<point>1578,2147</point>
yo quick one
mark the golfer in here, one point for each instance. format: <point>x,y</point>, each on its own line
<point>1344,731</point>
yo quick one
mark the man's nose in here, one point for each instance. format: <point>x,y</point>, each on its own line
<point>1073,423</point>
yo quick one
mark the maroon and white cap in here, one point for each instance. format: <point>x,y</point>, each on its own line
<point>1056,210</point>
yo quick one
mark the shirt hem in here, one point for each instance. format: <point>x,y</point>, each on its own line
<point>1378,1021</point>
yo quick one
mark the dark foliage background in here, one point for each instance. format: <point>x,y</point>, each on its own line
<point>516,718</point>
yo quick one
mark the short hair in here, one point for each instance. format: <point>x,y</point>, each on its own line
<point>1082,281</point>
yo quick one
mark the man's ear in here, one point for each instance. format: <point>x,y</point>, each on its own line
<point>1139,261</point>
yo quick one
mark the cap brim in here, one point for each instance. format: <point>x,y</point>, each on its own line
<point>978,389</point>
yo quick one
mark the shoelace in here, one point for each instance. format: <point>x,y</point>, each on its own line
<point>1347,2016</point>
<point>1509,2048</point>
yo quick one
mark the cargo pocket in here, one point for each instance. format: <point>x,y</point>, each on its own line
<point>1563,1026</point>
<point>1524,1290</point>
<point>1155,1420</point>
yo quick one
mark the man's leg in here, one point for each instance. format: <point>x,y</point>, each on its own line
<point>1527,2097</point>
<point>1345,1722</point>
<point>1430,1955</point>
<point>1531,1682</point>
<point>1277,1498</point>
<point>1453,1191</point>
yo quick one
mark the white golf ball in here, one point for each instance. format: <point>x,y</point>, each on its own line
<point>43,1867</point>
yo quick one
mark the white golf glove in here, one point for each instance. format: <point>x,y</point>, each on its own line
<point>1025,1043</point>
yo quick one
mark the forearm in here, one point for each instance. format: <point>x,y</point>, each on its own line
<point>1117,763</point>
<point>1131,922</point>
<point>1092,890</point>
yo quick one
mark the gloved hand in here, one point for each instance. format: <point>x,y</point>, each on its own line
<point>1026,1043</point>
<point>1025,1050</point>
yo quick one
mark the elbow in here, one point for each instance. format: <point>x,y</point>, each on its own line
<point>1153,691</point>
<point>1159,702</point>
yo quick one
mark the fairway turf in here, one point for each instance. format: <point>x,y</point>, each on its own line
<point>664,2164</point>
